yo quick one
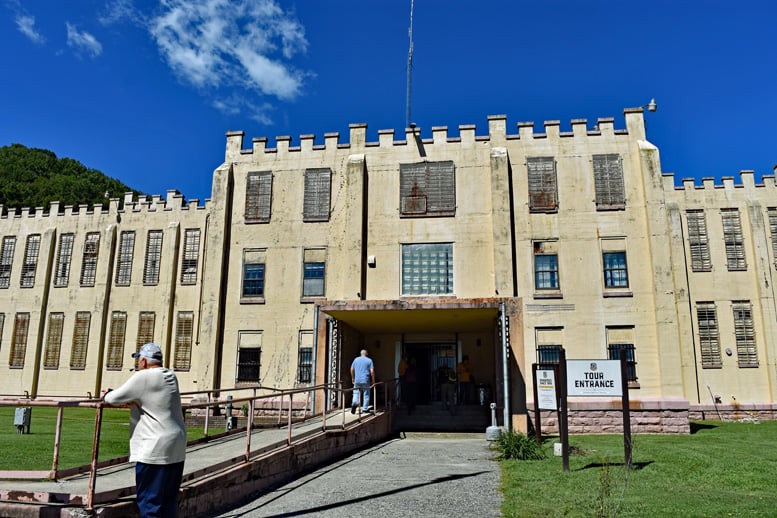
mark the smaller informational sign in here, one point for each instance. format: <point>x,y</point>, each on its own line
<point>594,378</point>
<point>546,389</point>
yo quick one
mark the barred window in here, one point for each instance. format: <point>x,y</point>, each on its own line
<point>427,269</point>
<point>732,236</point>
<point>153,258</point>
<point>616,273</point>
<point>613,351</point>
<point>548,355</point>
<point>318,186</point>
<point>305,356</point>
<point>146,325</point>
<point>64,257</point>
<point>89,261</point>
<point>543,189</point>
<point>248,364</point>
<point>191,254</point>
<point>697,241</point>
<point>21,327</point>
<point>53,341</point>
<point>608,182</point>
<point>709,338</point>
<point>258,197</point>
<point>427,189</point>
<point>124,264</point>
<point>30,264</point>
<point>6,260</point>
<point>80,340</point>
<point>116,340</point>
<point>747,356</point>
<point>773,229</point>
<point>183,341</point>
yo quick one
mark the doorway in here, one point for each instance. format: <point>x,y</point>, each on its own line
<point>428,358</point>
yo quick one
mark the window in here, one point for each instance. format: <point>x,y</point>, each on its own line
<point>616,274</point>
<point>549,340</point>
<point>183,341</point>
<point>53,341</point>
<point>30,264</point>
<point>427,269</point>
<point>697,241</point>
<point>146,325</point>
<point>253,275</point>
<point>89,263</point>
<point>153,257</point>
<point>773,228</point>
<point>543,190</point>
<point>318,184</point>
<point>548,354</point>
<point>6,260</point>
<point>116,340</point>
<point>191,252</point>
<point>305,357</point>
<point>709,339</point>
<point>249,354</point>
<point>313,272</point>
<point>124,264</point>
<point>545,266</point>
<point>427,189</point>
<point>608,181</point>
<point>621,338</point>
<point>259,197</point>
<point>19,341</point>
<point>64,256</point>
<point>80,340</point>
<point>747,356</point>
<point>732,236</point>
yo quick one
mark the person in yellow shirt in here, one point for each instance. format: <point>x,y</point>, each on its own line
<point>465,380</point>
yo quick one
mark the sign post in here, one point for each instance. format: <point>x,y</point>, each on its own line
<point>626,413</point>
<point>563,427</point>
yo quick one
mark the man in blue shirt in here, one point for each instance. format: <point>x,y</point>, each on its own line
<point>362,376</point>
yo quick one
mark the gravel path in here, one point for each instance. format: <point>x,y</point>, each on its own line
<point>420,475</point>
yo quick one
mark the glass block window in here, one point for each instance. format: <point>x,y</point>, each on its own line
<point>697,241</point>
<point>6,260</point>
<point>318,187</point>
<point>427,189</point>
<point>709,338</point>
<point>258,197</point>
<point>30,264</point>
<point>153,258</point>
<point>427,269</point>
<point>616,274</point>
<point>191,254</point>
<point>543,188</point>
<point>313,280</point>
<point>53,341</point>
<point>80,340</point>
<point>608,182</point>
<point>732,237</point>
<point>21,327</point>
<point>146,325</point>
<point>116,341</point>
<point>64,258</point>
<point>184,330</point>
<point>124,260</point>
<point>747,355</point>
<point>89,261</point>
<point>773,230</point>
<point>248,364</point>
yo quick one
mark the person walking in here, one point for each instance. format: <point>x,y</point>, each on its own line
<point>362,377</point>
<point>157,432</point>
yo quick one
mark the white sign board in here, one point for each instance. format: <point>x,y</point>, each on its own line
<point>546,390</point>
<point>594,378</point>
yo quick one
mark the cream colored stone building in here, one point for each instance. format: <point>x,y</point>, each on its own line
<point>503,247</point>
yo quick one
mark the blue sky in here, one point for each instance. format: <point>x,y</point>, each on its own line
<point>145,90</point>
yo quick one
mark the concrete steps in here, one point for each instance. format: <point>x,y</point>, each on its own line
<point>434,418</point>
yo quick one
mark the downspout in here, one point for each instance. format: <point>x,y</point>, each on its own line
<point>505,367</point>
<point>328,368</point>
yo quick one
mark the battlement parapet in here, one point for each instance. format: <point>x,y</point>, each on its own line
<point>746,181</point>
<point>386,138</point>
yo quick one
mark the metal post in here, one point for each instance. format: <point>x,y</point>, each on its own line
<point>98,420</point>
<point>625,404</point>
<point>57,439</point>
<point>537,425</point>
<point>207,415</point>
<point>280,408</point>
<point>249,426</point>
<point>291,406</point>
<point>505,368</point>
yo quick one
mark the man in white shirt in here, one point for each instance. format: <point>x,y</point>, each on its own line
<point>157,432</point>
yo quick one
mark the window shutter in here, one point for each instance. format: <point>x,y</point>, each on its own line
<point>54,341</point>
<point>183,341</point>
<point>732,236</point>
<point>709,341</point>
<point>608,180</point>
<point>543,190</point>
<point>427,189</point>
<point>116,341</point>
<point>317,194</point>
<point>19,341</point>
<point>258,197</point>
<point>80,340</point>
<point>697,241</point>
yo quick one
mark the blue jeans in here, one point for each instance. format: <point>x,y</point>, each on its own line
<point>361,390</point>
<point>157,489</point>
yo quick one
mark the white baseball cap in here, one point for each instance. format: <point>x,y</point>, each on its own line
<point>151,351</point>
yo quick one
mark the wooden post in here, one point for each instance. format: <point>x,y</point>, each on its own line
<point>562,408</point>
<point>625,404</point>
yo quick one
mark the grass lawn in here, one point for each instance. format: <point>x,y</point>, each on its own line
<point>35,451</point>
<point>720,469</point>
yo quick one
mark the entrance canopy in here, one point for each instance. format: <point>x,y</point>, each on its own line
<point>415,315</point>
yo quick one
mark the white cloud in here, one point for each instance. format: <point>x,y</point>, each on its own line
<point>227,43</point>
<point>26,25</point>
<point>118,10</point>
<point>234,105</point>
<point>82,41</point>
